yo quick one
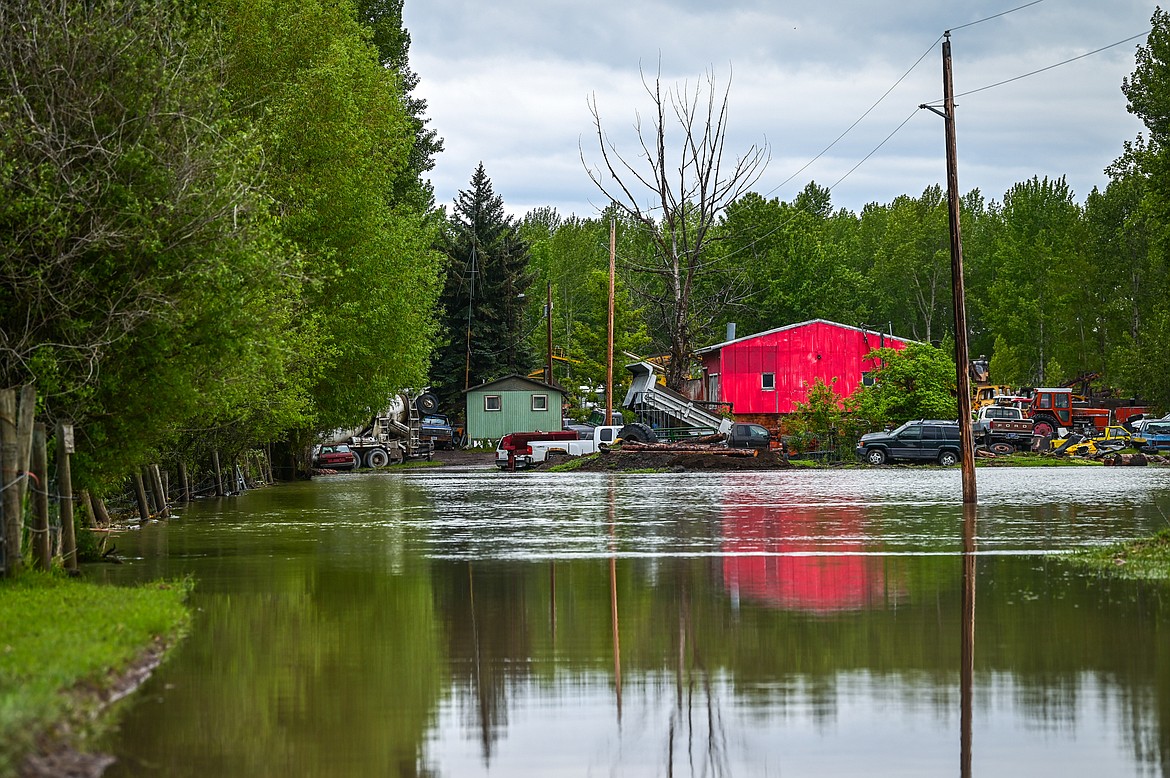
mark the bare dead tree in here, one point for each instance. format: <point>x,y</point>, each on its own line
<point>685,283</point>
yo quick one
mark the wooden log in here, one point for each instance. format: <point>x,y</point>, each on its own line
<point>140,498</point>
<point>41,548</point>
<point>65,495</point>
<point>10,505</point>
<point>678,448</point>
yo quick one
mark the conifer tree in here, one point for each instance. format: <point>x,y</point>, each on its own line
<point>483,298</point>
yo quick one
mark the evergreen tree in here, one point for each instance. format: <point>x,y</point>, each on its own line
<point>483,298</point>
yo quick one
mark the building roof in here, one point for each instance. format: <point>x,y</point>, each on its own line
<point>512,380</point>
<point>798,325</point>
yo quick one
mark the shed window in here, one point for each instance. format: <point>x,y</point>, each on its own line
<point>491,402</point>
<point>867,378</point>
<point>768,382</point>
<point>540,402</point>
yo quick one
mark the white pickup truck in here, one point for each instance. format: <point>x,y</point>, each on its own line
<point>524,449</point>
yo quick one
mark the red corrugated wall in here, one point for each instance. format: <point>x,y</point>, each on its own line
<point>798,357</point>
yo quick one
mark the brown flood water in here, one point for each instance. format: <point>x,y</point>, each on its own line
<point>476,623</point>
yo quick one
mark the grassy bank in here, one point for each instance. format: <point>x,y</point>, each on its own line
<point>1145,559</point>
<point>65,643</point>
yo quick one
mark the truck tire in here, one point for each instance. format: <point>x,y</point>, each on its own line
<point>427,403</point>
<point>1002,449</point>
<point>636,432</point>
<point>1045,425</point>
<point>377,458</point>
<point>948,458</point>
<point>875,456</point>
<point>357,461</point>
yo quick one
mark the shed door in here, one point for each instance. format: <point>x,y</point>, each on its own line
<point>713,388</point>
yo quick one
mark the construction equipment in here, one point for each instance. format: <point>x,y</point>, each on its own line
<point>394,434</point>
<point>664,410</point>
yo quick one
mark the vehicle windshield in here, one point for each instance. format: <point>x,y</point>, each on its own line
<point>1158,429</point>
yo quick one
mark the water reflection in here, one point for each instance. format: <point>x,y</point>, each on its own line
<point>646,625</point>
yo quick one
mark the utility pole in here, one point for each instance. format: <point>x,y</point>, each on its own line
<point>609,331</point>
<point>957,291</point>
<point>548,374</point>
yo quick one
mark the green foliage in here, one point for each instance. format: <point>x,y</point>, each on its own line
<point>826,420</point>
<point>58,634</point>
<point>917,382</point>
<point>338,137</point>
<point>145,285</point>
<point>487,280</point>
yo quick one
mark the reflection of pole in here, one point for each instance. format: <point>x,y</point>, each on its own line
<point>552,600</point>
<point>967,671</point>
<point>957,292</point>
<point>613,604</point>
<point>609,336</point>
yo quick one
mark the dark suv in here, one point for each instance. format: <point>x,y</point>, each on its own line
<point>925,440</point>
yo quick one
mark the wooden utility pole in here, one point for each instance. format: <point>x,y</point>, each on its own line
<point>962,360</point>
<point>609,330</point>
<point>548,374</point>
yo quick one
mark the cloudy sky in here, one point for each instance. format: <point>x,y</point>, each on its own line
<point>508,83</point>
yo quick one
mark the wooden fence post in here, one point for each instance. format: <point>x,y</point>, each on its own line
<point>65,495</point>
<point>24,434</point>
<point>102,515</point>
<point>160,495</point>
<point>140,498</point>
<point>218,474</point>
<point>42,553</point>
<point>184,483</point>
<point>91,517</point>
<point>9,485</point>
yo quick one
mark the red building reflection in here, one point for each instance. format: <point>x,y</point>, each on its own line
<point>803,558</point>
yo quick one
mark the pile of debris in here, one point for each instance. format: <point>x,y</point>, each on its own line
<point>682,457</point>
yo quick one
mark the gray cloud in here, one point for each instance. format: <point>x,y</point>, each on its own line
<point>507,84</point>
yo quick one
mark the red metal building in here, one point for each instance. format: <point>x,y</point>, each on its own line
<point>767,373</point>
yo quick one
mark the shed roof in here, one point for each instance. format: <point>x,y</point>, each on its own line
<point>798,325</point>
<point>511,381</point>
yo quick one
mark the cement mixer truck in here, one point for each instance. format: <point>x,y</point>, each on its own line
<point>393,435</point>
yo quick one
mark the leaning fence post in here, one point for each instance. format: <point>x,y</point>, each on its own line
<point>42,552</point>
<point>184,483</point>
<point>24,434</point>
<point>65,495</point>
<point>140,497</point>
<point>160,495</point>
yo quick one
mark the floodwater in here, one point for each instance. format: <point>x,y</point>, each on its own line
<point>819,623</point>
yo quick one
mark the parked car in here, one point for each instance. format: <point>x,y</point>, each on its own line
<point>749,436</point>
<point>1153,436</point>
<point>924,440</point>
<point>339,457</point>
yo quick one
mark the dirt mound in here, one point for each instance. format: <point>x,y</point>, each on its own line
<point>617,460</point>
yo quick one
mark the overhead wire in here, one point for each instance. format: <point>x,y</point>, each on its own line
<point>886,94</point>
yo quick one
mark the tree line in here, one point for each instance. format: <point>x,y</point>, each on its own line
<point>217,232</point>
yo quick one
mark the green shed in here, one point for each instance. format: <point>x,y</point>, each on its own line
<point>512,404</point>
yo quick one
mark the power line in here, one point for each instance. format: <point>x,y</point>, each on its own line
<point>996,16</point>
<point>1058,64</point>
<point>886,94</point>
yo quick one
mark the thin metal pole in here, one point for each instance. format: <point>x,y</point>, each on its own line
<point>957,292</point>
<point>609,336</point>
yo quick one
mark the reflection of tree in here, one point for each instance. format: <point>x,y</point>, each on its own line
<point>486,610</point>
